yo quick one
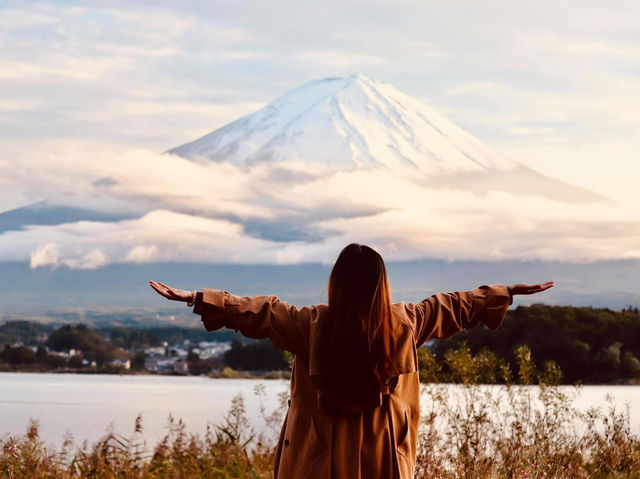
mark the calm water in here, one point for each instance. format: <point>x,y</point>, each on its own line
<point>86,405</point>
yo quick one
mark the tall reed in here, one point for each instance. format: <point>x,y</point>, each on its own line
<point>528,428</point>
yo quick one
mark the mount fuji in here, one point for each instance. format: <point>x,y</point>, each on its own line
<point>359,123</point>
<point>258,205</point>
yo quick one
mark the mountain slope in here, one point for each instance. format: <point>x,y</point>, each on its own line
<point>46,213</point>
<point>118,286</point>
<point>355,122</point>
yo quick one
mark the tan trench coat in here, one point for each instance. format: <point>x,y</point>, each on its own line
<point>379,443</point>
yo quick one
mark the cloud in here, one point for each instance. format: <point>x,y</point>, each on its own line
<point>159,235</point>
<point>488,89</point>
<point>142,254</point>
<point>49,255</point>
<point>221,213</point>
<point>152,76</point>
<point>92,89</point>
<point>45,255</point>
<point>340,59</point>
<point>91,260</point>
<point>582,46</point>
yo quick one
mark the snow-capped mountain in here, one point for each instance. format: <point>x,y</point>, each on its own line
<point>266,202</point>
<point>356,122</point>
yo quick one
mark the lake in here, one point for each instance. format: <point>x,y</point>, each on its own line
<point>87,405</point>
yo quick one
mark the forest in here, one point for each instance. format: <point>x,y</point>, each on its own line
<point>589,345</point>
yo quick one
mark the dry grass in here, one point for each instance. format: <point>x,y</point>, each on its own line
<point>468,431</point>
<point>518,430</point>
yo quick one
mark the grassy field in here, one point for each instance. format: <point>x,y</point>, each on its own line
<point>520,432</point>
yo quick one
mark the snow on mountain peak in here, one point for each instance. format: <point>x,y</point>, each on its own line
<point>359,123</point>
<point>350,122</point>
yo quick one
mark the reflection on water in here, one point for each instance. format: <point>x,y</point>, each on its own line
<point>87,405</point>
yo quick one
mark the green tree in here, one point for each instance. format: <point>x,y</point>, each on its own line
<point>42,355</point>
<point>588,344</point>
<point>138,361</point>
<point>80,337</point>
<point>631,365</point>
<point>76,361</point>
<point>25,332</point>
<point>255,356</point>
<point>18,355</point>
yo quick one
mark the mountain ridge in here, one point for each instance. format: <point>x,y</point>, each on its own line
<point>359,123</point>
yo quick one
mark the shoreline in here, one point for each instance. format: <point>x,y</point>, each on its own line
<point>228,373</point>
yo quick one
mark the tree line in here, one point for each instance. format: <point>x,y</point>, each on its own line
<point>589,345</point>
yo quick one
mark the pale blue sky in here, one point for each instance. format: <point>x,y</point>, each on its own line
<point>554,85</point>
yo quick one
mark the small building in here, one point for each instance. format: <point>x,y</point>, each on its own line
<point>181,366</point>
<point>121,363</point>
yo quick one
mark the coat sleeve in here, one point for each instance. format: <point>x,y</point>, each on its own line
<point>445,314</point>
<point>256,317</point>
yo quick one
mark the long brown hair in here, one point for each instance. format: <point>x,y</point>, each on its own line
<point>356,349</point>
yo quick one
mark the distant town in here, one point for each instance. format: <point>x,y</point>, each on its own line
<point>31,346</point>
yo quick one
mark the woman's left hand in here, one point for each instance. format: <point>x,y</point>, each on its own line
<point>171,293</point>
<point>522,288</point>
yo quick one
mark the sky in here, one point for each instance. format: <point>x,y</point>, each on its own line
<point>101,89</point>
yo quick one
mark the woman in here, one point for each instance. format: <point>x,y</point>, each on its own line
<point>354,407</point>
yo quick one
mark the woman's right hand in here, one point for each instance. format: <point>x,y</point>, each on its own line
<point>522,288</point>
<point>171,293</point>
